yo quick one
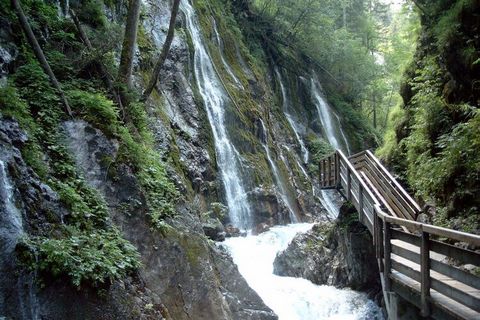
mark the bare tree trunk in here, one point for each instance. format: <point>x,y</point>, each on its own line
<point>106,77</point>
<point>129,41</point>
<point>163,54</point>
<point>37,50</point>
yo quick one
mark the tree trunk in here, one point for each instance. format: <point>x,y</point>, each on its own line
<point>37,50</point>
<point>129,41</point>
<point>106,77</point>
<point>164,53</point>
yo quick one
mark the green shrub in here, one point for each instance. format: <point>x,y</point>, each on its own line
<point>93,257</point>
<point>95,109</point>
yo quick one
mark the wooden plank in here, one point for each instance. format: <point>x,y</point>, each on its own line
<point>425,272</point>
<point>337,172</point>
<point>462,255</point>
<point>455,273</point>
<point>442,306</point>
<point>360,204</point>
<point>406,270</point>
<point>401,210</point>
<point>394,181</point>
<point>375,187</point>
<point>407,237</point>
<point>456,294</point>
<point>390,189</point>
<point>452,234</point>
<point>387,254</point>
<point>349,184</point>
<point>405,253</point>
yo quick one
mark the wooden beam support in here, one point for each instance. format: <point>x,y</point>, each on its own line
<point>349,184</point>
<point>387,249</point>
<point>425,274</point>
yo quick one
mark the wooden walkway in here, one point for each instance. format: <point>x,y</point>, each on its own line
<point>417,261</point>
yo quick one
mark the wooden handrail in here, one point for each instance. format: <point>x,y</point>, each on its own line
<point>472,239</point>
<point>384,226</point>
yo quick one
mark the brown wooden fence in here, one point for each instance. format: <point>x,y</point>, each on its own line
<point>417,261</point>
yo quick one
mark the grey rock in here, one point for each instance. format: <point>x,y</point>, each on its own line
<point>340,255</point>
<point>214,229</point>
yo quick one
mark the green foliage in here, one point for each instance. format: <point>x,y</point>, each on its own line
<point>319,149</point>
<point>85,258</point>
<point>389,149</point>
<point>447,28</point>
<point>96,109</point>
<point>91,12</point>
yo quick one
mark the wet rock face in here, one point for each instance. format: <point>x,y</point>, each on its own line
<point>180,266</point>
<point>8,50</point>
<point>38,203</point>
<point>267,206</point>
<point>341,255</point>
<point>188,126</point>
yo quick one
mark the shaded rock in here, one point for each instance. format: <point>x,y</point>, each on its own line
<point>267,206</point>
<point>214,229</point>
<point>232,231</point>
<point>341,255</point>
<point>260,228</point>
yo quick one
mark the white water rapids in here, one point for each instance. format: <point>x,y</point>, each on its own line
<point>293,298</point>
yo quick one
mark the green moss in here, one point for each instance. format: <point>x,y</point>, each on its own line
<point>389,148</point>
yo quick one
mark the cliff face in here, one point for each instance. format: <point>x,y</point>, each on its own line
<point>108,219</point>
<point>436,148</point>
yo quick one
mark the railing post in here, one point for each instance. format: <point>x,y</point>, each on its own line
<point>360,203</point>
<point>324,173</point>
<point>337,165</point>
<point>387,249</point>
<point>349,184</point>
<point>329,164</point>
<point>320,173</point>
<point>425,274</point>
<point>379,238</point>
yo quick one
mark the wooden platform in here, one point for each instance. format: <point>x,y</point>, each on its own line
<point>413,263</point>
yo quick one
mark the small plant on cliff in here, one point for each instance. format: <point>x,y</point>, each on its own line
<point>95,258</point>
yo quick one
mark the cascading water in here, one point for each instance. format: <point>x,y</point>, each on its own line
<point>227,67</point>
<point>293,124</point>
<point>332,130</point>
<point>293,298</point>
<point>11,228</point>
<point>292,208</point>
<point>13,291</point>
<point>216,101</point>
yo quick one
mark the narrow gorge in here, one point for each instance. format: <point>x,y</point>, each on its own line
<point>201,199</point>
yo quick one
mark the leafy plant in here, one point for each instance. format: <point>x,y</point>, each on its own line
<point>95,257</point>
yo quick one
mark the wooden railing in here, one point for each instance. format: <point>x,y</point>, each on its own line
<point>412,261</point>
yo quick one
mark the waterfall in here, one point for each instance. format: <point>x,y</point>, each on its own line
<point>19,290</point>
<point>332,127</point>
<point>293,124</point>
<point>216,101</point>
<point>293,298</point>
<point>284,194</point>
<point>227,67</point>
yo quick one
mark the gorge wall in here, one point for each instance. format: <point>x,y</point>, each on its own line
<point>70,187</point>
<point>432,143</point>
